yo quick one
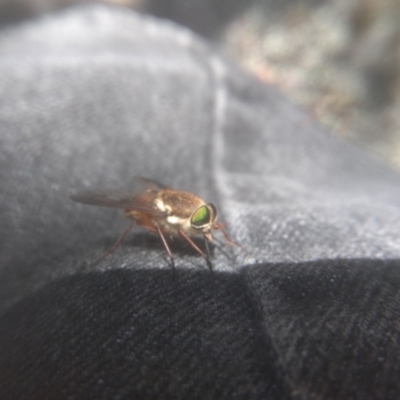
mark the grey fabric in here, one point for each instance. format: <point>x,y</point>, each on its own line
<point>94,96</point>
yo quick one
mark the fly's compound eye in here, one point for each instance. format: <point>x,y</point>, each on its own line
<point>201,217</point>
<point>204,216</point>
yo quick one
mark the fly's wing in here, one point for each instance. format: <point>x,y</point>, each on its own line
<point>150,184</point>
<point>124,199</point>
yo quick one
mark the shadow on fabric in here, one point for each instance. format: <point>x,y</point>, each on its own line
<point>136,334</point>
<point>324,328</point>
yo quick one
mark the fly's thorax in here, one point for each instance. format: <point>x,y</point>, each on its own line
<point>185,212</point>
<point>178,203</point>
<point>174,224</point>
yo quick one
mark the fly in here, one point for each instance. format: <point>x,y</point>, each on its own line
<point>163,211</point>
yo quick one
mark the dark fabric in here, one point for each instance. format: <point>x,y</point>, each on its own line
<point>92,97</point>
<point>138,334</point>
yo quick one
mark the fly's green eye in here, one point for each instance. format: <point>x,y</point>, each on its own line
<point>201,217</point>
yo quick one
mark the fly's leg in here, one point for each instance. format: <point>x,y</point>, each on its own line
<point>227,238</point>
<point>201,252</point>
<point>167,249</point>
<point>208,258</point>
<point>117,243</point>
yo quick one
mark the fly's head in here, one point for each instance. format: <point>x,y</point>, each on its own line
<point>203,220</point>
